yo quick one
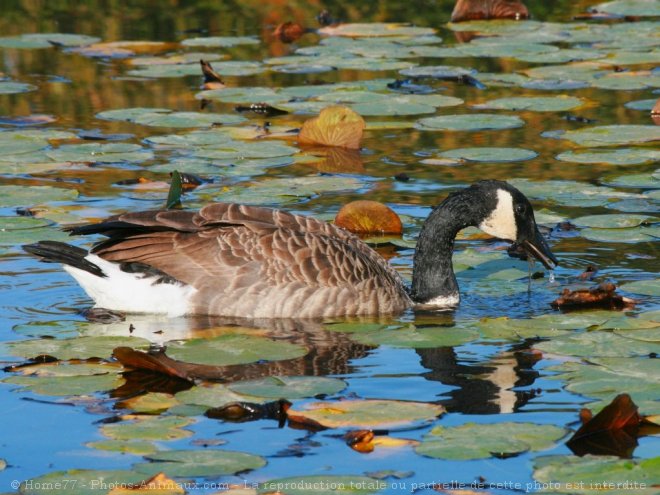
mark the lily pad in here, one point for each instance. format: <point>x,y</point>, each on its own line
<point>470,122</point>
<point>646,287</point>
<point>200,463</point>
<point>405,105</point>
<point>213,395</point>
<point>437,71</point>
<point>16,230</point>
<point>365,414</point>
<point>623,156</point>
<point>417,338</point>
<point>597,344</point>
<point>78,481</point>
<point>587,472</point>
<point>614,221</point>
<point>73,348</point>
<point>221,41</point>
<point>559,103</point>
<point>481,441</point>
<point>490,154</point>
<point>233,349</point>
<point>58,386</point>
<point>46,40</point>
<point>188,119</point>
<point>8,87</point>
<point>129,114</point>
<point>642,105</point>
<point>136,447</point>
<point>322,485</point>
<point>638,234</point>
<point>101,153</point>
<point>289,387</point>
<point>356,30</point>
<point>226,68</point>
<point>157,428</point>
<point>11,195</point>
<point>610,135</point>
<point>630,8</point>
<point>245,149</point>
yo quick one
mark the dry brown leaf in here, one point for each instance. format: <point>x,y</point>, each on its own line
<point>368,217</point>
<point>602,296</point>
<point>335,126</point>
<point>158,484</point>
<point>288,32</point>
<point>469,10</point>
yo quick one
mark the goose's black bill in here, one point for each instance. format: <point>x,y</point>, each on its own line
<point>539,248</point>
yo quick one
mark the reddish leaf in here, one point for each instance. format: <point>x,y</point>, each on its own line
<point>157,484</point>
<point>335,126</point>
<point>602,296</point>
<point>368,217</point>
<point>288,32</point>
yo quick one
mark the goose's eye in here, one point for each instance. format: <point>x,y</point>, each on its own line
<point>520,208</point>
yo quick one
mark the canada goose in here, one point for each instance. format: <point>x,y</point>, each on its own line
<point>236,260</point>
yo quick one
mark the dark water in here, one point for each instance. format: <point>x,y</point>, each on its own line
<point>484,381</point>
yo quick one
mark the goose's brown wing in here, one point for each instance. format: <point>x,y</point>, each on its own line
<point>256,262</point>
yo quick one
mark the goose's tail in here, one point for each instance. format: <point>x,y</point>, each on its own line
<point>59,252</point>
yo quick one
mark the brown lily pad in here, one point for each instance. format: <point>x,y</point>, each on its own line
<point>368,217</point>
<point>603,296</point>
<point>471,10</point>
<point>335,126</point>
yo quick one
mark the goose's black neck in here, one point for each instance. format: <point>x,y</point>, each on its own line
<point>433,274</point>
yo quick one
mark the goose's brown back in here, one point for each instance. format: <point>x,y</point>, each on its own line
<point>256,262</point>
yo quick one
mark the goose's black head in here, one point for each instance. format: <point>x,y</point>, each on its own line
<point>506,213</point>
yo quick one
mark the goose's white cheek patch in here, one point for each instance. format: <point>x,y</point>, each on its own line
<point>501,222</point>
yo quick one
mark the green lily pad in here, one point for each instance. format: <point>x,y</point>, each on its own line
<point>129,114</point>
<point>582,475</point>
<point>490,154</point>
<point>244,95</point>
<point>553,84</point>
<point>470,122</point>
<point>356,30</point>
<point>78,482</point>
<point>214,395</point>
<point>365,414</point>
<point>188,119</point>
<point>597,344</point>
<point>8,87</point>
<point>101,153</point>
<point>34,195</point>
<point>21,230</point>
<point>156,428</point>
<point>231,349</point>
<point>638,234</point>
<point>289,387</point>
<point>322,485</point>
<point>639,8</point>
<point>561,56</point>
<point>614,221</point>
<point>177,58</point>
<point>648,180</point>
<point>60,386</point>
<point>623,156</point>
<point>561,103</point>
<point>135,447</point>
<point>611,135</point>
<point>226,68</point>
<point>643,105</point>
<point>46,40</point>
<point>221,41</point>
<point>437,71</point>
<point>571,193</point>
<point>646,287</point>
<point>481,441</point>
<point>73,348</point>
<point>200,463</point>
<point>150,403</point>
<point>417,338</point>
<point>245,149</point>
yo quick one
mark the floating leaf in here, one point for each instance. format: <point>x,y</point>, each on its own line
<point>367,217</point>
<point>157,484</point>
<point>221,41</point>
<point>157,428</point>
<point>335,126</point>
<point>213,395</point>
<point>614,221</point>
<point>356,30</point>
<point>646,287</point>
<point>642,105</point>
<point>122,49</point>
<point>490,154</point>
<point>630,8</point>
<point>481,441</point>
<point>638,234</point>
<point>364,414</point>
<point>46,40</point>
<point>101,153</point>
<point>418,338</point>
<point>243,149</point>
<point>405,105</point>
<point>470,122</point>
<point>323,485</point>
<point>8,87</point>
<point>136,447</point>
<point>623,156</point>
<point>560,103</point>
<point>610,135</point>
<point>34,195</point>
<point>289,387</point>
<point>438,71</point>
<point>588,472</point>
<point>231,349</point>
<point>207,463</point>
<point>73,348</point>
<point>77,482</point>
<point>188,119</point>
<point>228,68</point>
<point>150,403</point>
<point>21,230</point>
<point>66,385</point>
<point>597,344</point>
